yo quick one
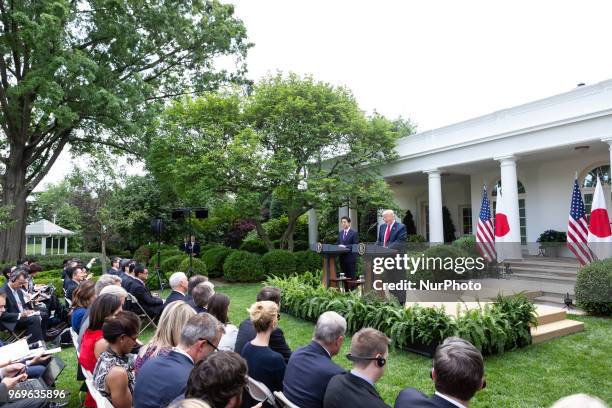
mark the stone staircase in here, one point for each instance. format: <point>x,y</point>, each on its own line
<point>550,279</point>
<point>552,323</point>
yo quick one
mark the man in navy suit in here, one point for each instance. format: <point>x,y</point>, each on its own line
<point>311,367</point>
<point>163,378</point>
<point>392,235</point>
<point>18,314</point>
<point>458,373</point>
<point>152,305</point>
<point>347,237</point>
<point>178,283</point>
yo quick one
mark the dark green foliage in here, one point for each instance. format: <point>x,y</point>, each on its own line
<point>279,263</point>
<point>172,264</point>
<point>56,261</point>
<point>243,266</point>
<point>552,236</point>
<point>256,246</point>
<point>204,248</point>
<point>214,259</point>
<point>448,226</point>
<point>198,267</point>
<point>495,328</point>
<point>300,245</point>
<point>153,282</point>
<point>307,261</point>
<point>437,257</point>
<point>416,238</point>
<point>594,287</point>
<point>143,254</point>
<point>408,221</point>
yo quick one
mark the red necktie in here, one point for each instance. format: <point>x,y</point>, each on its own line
<point>387,232</point>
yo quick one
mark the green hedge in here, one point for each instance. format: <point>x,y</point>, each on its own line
<point>279,262</point>
<point>153,282</point>
<point>142,254</point>
<point>56,261</point>
<point>256,246</point>
<point>468,244</point>
<point>437,256</point>
<point>307,261</point>
<point>214,259</point>
<point>243,266</point>
<point>173,263</point>
<point>594,287</point>
<point>494,328</point>
<point>197,265</point>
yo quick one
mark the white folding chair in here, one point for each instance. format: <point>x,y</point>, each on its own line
<point>101,401</point>
<point>260,391</point>
<point>142,314</point>
<point>284,401</point>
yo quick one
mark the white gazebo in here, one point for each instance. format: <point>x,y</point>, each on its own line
<point>46,238</point>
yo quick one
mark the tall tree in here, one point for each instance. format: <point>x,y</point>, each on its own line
<point>306,142</point>
<point>92,74</point>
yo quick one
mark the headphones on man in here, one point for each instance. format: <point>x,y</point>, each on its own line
<point>380,361</point>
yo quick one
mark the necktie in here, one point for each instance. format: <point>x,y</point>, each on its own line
<point>387,232</point>
<point>345,233</point>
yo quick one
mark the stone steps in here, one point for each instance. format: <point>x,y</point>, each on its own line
<point>540,277</point>
<point>552,323</point>
<point>545,271</point>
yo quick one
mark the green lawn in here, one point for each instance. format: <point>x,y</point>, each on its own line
<point>534,376</point>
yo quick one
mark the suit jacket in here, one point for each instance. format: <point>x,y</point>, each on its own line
<point>174,296</point>
<point>70,286</point>
<point>412,398</point>
<point>196,248</point>
<point>113,271</point>
<point>161,379</point>
<point>11,315</point>
<point>200,309</point>
<point>126,281</point>
<point>348,390</point>
<point>307,374</point>
<point>246,333</point>
<point>397,236</point>
<point>151,304</point>
<point>351,238</point>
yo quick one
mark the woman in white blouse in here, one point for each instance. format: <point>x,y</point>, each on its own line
<point>218,306</point>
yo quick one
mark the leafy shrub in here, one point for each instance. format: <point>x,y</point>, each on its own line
<point>204,248</point>
<point>121,254</point>
<point>300,245</point>
<point>467,243</point>
<point>594,287</point>
<point>552,236</point>
<point>243,266</point>
<point>256,246</point>
<point>214,259</point>
<point>279,263</point>
<point>500,326</point>
<point>439,258</point>
<point>143,254</point>
<point>173,263</point>
<point>307,261</point>
<point>198,267</point>
<point>416,238</point>
<point>56,261</point>
<point>153,282</point>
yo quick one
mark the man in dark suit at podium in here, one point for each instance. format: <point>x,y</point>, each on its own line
<point>193,247</point>
<point>392,234</point>
<point>347,237</point>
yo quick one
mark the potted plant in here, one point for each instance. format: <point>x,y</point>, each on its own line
<point>550,242</point>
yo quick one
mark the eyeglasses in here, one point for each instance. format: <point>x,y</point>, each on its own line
<point>210,344</point>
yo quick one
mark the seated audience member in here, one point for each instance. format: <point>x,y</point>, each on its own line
<point>12,376</point>
<point>219,380</point>
<point>68,263</point>
<point>265,365</point>
<point>163,378</point>
<point>106,280</point>
<point>18,315</point>
<point>152,305</point>
<point>168,333</point>
<point>201,296</point>
<point>117,291</point>
<point>457,373</point>
<point>246,331</point>
<point>194,281</point>
<point>115,265</point>
<point>178,284</point>
<point>310,368</point>
<point>218,306</point>
<point>369,351</point>
<point>113,376</point>
<point>75,276</point>
<point>111,289</point>
<point>34,367</point>
<point>579,401</point>
<point>82,298</point>
<point>189,403</point>
<point>127,278</point>
<point>93,343</point>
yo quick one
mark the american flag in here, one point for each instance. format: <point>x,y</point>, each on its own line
<point>485,237</point>
<point>577,228</point>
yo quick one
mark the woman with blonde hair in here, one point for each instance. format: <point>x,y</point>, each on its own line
<point>264,364</point>
<point>168,333</point>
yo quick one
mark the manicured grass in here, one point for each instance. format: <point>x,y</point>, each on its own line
<point>534,376</point>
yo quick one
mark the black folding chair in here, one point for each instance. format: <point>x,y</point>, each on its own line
<point>137,308</point>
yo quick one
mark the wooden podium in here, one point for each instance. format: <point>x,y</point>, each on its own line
<point>329,253</point>
<point>369,252</point>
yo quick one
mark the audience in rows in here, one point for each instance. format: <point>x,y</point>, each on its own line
<point>201,296</point>
<point>218,306</point>
<point>152,305</point>
<point>82,297</point>
<point>179,285</point>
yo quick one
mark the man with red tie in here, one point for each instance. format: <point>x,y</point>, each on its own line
<point>347,237</point>
<point>392,234</point>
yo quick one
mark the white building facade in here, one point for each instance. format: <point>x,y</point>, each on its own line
<point>534,150</point>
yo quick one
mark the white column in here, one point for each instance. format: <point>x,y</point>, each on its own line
<point>313,227</point>
<point>609,141</point>
<point>353,217</point>
<point>379,221</point>
<point>436,228</point>
<point>342,212</point>
<point>43,245</point>
<point>65,245</point>
<point>510,195</point>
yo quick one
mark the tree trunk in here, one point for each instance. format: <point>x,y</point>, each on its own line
<point>103,250</point>
<point>14,194</point>
<point>287,237</point>
<point>263,235</point>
